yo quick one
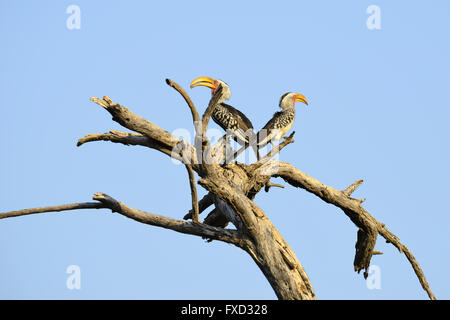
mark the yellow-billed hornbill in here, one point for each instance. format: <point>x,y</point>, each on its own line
<point>281,121</point>
<point>230,119</point>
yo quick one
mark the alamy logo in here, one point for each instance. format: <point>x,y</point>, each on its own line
<point>374,20</point>
<point>373,281</point>
<point>74,279</point>
<point>73,22</point>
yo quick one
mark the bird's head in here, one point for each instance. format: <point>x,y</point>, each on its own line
<point>214,85</point>
<point>289,99</point>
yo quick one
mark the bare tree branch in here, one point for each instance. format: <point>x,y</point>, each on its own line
<point>195,210</point>
<point>136,123</point>
<point>368,226</point>
<point>270,185</point>
<point>211,106</point>
<point>64,207</point>
<point>365,243</point>
<point>128,138</point>
<point>194,112</point>
<point>395,241</point>
<point>218,151</point>
<point>197,229</point>
<point>203,204</point>
<point>237,153</point>
<point>274,151</point>
<point>107,202</point>
<point>351,188</point>
<point>202,140</point>
<point>197,122</point>
<point>162,140</point>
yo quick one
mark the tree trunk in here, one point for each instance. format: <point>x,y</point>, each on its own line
<point>279,264</point>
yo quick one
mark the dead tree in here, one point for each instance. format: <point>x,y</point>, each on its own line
<point>232,186</point>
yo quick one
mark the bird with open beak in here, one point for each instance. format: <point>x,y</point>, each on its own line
<point>282,120</point>
<point>230,119</point>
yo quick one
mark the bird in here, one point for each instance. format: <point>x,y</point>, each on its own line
<point>230,119</point>
<point>281,121</point>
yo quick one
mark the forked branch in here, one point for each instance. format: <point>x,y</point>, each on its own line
<point>159,138</point>
<point>127,138</point>
<point>368,226</point>
<point>275,150</point>
<point>104,201</point>
<point>201,142</point>
<point>195,210</point>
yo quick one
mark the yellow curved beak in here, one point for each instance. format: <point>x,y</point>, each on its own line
<point>203,81</point>
<point>301,98</point>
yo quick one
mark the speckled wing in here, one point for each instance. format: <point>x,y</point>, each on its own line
<point>280,123</point>
<point>230,118</point>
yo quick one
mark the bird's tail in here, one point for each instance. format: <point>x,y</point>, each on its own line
<point>262,138</point>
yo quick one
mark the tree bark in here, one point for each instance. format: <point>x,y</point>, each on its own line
<point>279,264</point>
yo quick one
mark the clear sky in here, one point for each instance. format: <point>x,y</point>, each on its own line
<point>378,111</point>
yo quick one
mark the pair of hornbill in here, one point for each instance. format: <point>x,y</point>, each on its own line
<point>237,125</point>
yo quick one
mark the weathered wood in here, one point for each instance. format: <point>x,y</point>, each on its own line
<point>203,204</point>
<point>64,207</point>
<point>279,264</point>
<point>195,210</point>
<point>368,226</point>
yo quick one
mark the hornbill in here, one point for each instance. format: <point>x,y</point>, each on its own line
<point>230,119</point>
<point>281,121</point>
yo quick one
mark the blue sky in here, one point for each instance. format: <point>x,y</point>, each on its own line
<point>378,111</point>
